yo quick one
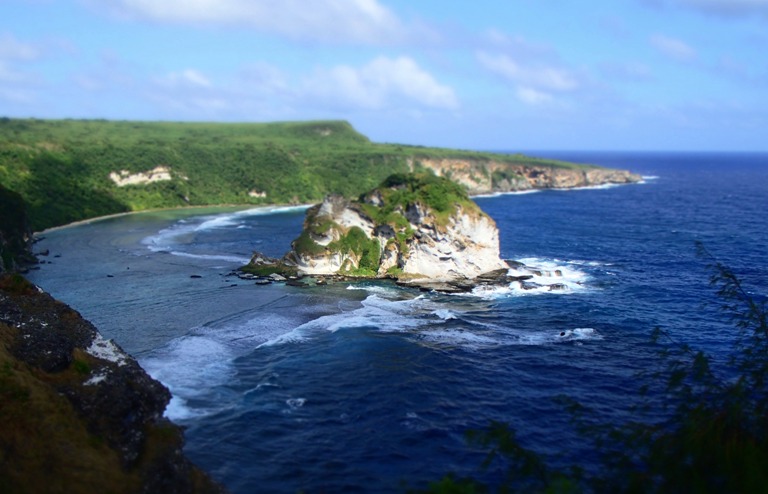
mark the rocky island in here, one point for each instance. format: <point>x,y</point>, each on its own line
<point>417,228</point>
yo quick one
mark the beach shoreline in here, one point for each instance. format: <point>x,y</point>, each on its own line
<point>231,207</point>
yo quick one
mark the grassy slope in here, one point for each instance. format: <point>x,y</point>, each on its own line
<point>62,167</point>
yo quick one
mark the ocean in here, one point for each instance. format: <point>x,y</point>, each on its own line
<point>370,387</point>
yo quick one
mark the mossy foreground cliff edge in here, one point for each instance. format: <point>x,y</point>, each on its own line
<point>79,415</point>
<point>70,170</point>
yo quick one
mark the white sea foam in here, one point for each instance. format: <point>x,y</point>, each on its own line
<point>178,409</point>
<point>267,210</point>
<point>445,314</point>
<point>183,231</point>
<point>477,338</point>
<point>212,257</point>
<point>295,403</point>
<point>384,290</point>
<point>199,365</point>
<point>428,321</point>
<point>193,365</point>
<point>587,187</point>
<point>459,337</point>
<point>375,313</point>
<point>510,193</point>
<point>563,336</point>
<point>550,276</point>
<point>190,366</point>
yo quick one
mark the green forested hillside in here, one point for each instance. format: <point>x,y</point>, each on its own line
<point>62,167</point>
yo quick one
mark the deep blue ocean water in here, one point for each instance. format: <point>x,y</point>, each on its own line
<point>367,387</point>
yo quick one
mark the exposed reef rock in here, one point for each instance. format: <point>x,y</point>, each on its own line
<point>489,176</point>
<point>78,414</point>
<point>413,227</point>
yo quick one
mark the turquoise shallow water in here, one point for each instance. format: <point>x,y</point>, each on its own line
<point>367,387</point>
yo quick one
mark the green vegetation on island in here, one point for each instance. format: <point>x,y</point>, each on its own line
<point>385,205</point>
<point>413,226</point>
<point>70,170</point>
<point>402,190</point>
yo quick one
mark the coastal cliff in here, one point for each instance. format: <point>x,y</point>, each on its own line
<point>72,170</point>
<point>488,176</point>
<point>414,226</point>
<point>77,413</point>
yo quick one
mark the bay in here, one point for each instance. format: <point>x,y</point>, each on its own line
<point>368,387</point>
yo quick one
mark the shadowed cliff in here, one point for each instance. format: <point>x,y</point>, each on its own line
<point>77,414</point>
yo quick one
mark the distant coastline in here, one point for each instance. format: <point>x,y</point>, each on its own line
<point>243,207</point>
<point>80,170</point>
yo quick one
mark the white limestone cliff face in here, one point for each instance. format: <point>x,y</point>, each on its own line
<point>335,212</point>
<point>417,244</point>
<point>158,174</point>
<point>467,247</point>
<point>483,177</point>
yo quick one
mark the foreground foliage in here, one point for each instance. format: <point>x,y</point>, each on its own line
<point>714,438</point>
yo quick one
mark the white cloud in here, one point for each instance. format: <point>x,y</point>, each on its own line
<point>518,45</point>
<point>265,91</point>
<point>382,83</point>
<point>13,49</point>
<point>186,78</point>
<point>17,87</point>
<point>262,77</point>
<point>532,96</point>
<point>540,76</point>
<point>354,21</point>
<point>17,96</point>
<point>627,71</point>
<point>193,77</point>
<point>733,8</point>
<point>673,47</point>
<point>190,93</point>
<point>534,82</point>
<point>9,75</point>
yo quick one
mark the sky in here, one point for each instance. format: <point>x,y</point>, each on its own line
<point>665,75</point>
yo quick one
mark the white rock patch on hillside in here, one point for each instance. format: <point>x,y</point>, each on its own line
<point>125,177</point>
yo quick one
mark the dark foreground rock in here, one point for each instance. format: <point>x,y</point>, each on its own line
<point>77,414</point>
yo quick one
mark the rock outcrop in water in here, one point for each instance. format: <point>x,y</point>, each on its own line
<point>413,227</point>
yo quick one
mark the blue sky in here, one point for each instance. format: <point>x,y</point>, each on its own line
<point>499,75</point>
